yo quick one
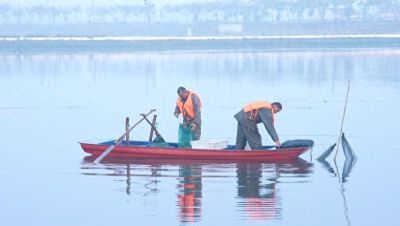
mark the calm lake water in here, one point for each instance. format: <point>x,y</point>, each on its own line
<point>50,102</point>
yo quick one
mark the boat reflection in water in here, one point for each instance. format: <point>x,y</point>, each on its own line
<point>257,196</point>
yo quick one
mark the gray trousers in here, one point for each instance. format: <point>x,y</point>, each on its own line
<point>248,133</point>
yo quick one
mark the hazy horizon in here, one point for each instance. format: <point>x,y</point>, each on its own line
<point>96,2</point>
<point>195,18</point>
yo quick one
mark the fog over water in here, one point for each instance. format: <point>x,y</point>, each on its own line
<point>72,71</point>
<point>50,102</point>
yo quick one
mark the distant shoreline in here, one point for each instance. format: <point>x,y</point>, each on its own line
<point>210,43</point>
<point>146,38</point>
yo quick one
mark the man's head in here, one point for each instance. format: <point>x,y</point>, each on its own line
<point>277,107</point>
<point>183,93</point>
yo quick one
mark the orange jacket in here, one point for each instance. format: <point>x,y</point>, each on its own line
<point>255,106</point>
<point>187,106</point>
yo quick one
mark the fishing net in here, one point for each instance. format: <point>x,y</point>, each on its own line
<point>326,153</point>
<point>348,151</point>
<point>351,159</point>
<point>347,168</point>
<point>348,164</point>
<point>185,135</point>
<point>327,166</point>
<point>159,142</point>
<point>297,143</point>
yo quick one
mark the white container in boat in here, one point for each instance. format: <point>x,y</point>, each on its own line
<point>215,144</point>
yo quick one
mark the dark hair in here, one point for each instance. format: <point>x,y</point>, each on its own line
<point>181,89</point>
<point>279,105</point>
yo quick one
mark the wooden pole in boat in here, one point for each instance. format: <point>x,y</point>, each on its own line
<point>126,130</point>
<point>344,112</point>
<point>155,129</point>
<point>118,141</point>
<point>152,129</point>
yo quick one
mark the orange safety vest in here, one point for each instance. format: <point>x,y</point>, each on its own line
<point>255,106</point>
<point>187,106</point>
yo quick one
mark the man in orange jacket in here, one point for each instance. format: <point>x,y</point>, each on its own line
<point>189,105</point>
<point>249,117</point>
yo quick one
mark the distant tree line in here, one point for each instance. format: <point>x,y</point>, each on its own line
<point>228,11</point>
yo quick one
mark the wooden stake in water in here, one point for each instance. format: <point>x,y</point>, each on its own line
<point>344,112</point>
<point>119,140</point>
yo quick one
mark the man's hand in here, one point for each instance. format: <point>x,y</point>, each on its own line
<point>278,143</point>
<point>176,115</point>
<point>193,127</point>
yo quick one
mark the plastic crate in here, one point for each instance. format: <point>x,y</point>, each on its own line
<point>214,144</point>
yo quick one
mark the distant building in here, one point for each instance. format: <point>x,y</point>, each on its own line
<point>225,29</point>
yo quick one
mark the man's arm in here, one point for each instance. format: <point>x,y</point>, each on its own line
<point>265,115</point>
<point>177,111</point>
<point>196,109</point>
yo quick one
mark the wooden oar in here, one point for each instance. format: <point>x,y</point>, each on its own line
<point>118,141</point>
<point>152,126</point>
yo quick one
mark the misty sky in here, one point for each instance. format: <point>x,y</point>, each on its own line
<point>97,2</point>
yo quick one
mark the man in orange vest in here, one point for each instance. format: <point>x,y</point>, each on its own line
<point>249,117</point>
<point>189,105</point>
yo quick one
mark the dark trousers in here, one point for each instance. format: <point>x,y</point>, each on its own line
<point>248,133</point>
<point>197,131</point>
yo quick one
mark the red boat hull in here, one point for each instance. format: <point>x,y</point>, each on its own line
<point>177,153</point>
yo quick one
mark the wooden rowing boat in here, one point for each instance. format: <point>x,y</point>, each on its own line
<point>143,149</point>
